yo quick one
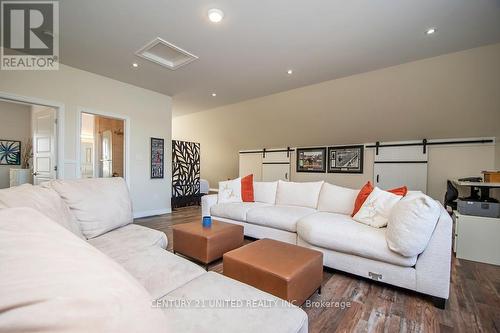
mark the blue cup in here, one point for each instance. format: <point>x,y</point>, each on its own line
<point>207,221</point>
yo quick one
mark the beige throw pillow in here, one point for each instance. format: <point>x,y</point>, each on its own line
<point>230,191</point>
<point>411,224</point>
<point>377,207</point>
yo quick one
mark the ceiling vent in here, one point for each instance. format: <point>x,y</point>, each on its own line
<point>166,54</point>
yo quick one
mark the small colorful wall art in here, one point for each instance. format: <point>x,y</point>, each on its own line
<point>157,158</point>
<point>311,159</point>
<point>10,152</point>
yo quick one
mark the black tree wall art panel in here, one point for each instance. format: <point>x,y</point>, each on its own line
<point>185,173</point>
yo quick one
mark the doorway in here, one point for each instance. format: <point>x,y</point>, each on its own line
<point>28,142</point>
<point>102,146</point>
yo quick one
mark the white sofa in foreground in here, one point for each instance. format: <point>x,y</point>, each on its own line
<point>317,215</point>
<point>72,260</point>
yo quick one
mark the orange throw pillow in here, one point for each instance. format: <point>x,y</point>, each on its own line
<point>367,189</point>
<point>402,191</point>
<point>362,195</point>
<point>247,188</point>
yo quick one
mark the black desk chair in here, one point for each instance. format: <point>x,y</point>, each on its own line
<point>451,196</point>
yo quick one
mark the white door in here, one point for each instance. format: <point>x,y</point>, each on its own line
<point>276,166</point>
<point>394,174</point>
<point>44,145</point>
<point>107,154</point>
<point>398,166</point>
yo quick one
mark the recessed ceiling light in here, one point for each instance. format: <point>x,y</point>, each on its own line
<point>430,31</point>
<point>135,65</point>
<point>290,72</point>
<point>215,15</point>
<point>214,94</point>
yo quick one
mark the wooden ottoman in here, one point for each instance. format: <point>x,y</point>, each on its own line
<point>206,245</point>
<point>288,271</point>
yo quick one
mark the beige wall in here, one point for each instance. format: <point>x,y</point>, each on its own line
<point>15,124</point>
<point>149,113</point>
<point>450,96</point>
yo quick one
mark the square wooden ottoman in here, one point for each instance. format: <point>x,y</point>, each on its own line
<point>206,245</point>
<point>288,271</point>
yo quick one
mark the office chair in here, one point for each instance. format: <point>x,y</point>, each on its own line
<point>451,196</point>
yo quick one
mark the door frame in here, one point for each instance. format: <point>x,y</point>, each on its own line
<point>60,112</point>
<point>126,151</point>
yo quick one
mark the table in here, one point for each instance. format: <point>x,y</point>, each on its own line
<point>288,271</point>
<point>206,245</point>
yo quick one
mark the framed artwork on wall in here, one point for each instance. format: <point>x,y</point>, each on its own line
<point>311,159</point>
<point>345,159</point>
<point>10,152</point>
<point>157,158</point>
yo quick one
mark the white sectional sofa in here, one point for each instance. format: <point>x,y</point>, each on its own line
<point>317,215</point>
<point>76,262</point>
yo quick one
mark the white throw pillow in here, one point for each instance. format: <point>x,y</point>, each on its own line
<point>411,224</point>
<point>265,192</point>
<point>377,207</point>
<point>230,191</point>
<point>52,281</point>
<point>337,199</point>
<point>298,194</point>
<point>45,200</point>
<point>99,204</point>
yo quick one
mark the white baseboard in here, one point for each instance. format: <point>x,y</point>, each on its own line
<point>154,212</point>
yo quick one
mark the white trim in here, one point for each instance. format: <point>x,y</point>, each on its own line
<point>60,111</point>
<point>126,151</point>
<point>154,212</point>
<point>216,190</point>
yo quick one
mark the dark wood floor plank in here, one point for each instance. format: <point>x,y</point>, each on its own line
<point>474,304</point>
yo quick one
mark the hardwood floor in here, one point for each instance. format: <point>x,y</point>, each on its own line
<point>474,304</point>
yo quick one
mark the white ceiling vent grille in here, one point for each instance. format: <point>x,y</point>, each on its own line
<point>166,54</point>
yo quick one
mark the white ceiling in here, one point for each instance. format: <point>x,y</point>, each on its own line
<point>248,54</point>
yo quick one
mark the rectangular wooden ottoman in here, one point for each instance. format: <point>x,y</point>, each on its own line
<point>206,245</point>
<point>288,271</point>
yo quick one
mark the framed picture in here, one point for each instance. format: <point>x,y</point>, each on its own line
<point>345,159</point>
<point>311,159</point>
<point>157,158</point>
<point>10,152</point>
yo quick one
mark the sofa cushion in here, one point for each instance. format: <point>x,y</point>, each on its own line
<point>234,210</point>
<point>265,192</point>
<point>298,194</point>
<point>279,217</point>
<point>340,233</point>
<point>199,306</point>
<point>411,224</point>
<point>230,191</point>
<point>336,199</point>
<point>43,200</point>
<point>376,209</point>
<point>128,239</point>
<point>99,204</point>
<point>53,281</point>
<point>247,189</point>
<point>159,271</point>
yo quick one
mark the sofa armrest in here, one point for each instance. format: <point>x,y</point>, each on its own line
<point>434,264</point>
<point>207,201</point>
